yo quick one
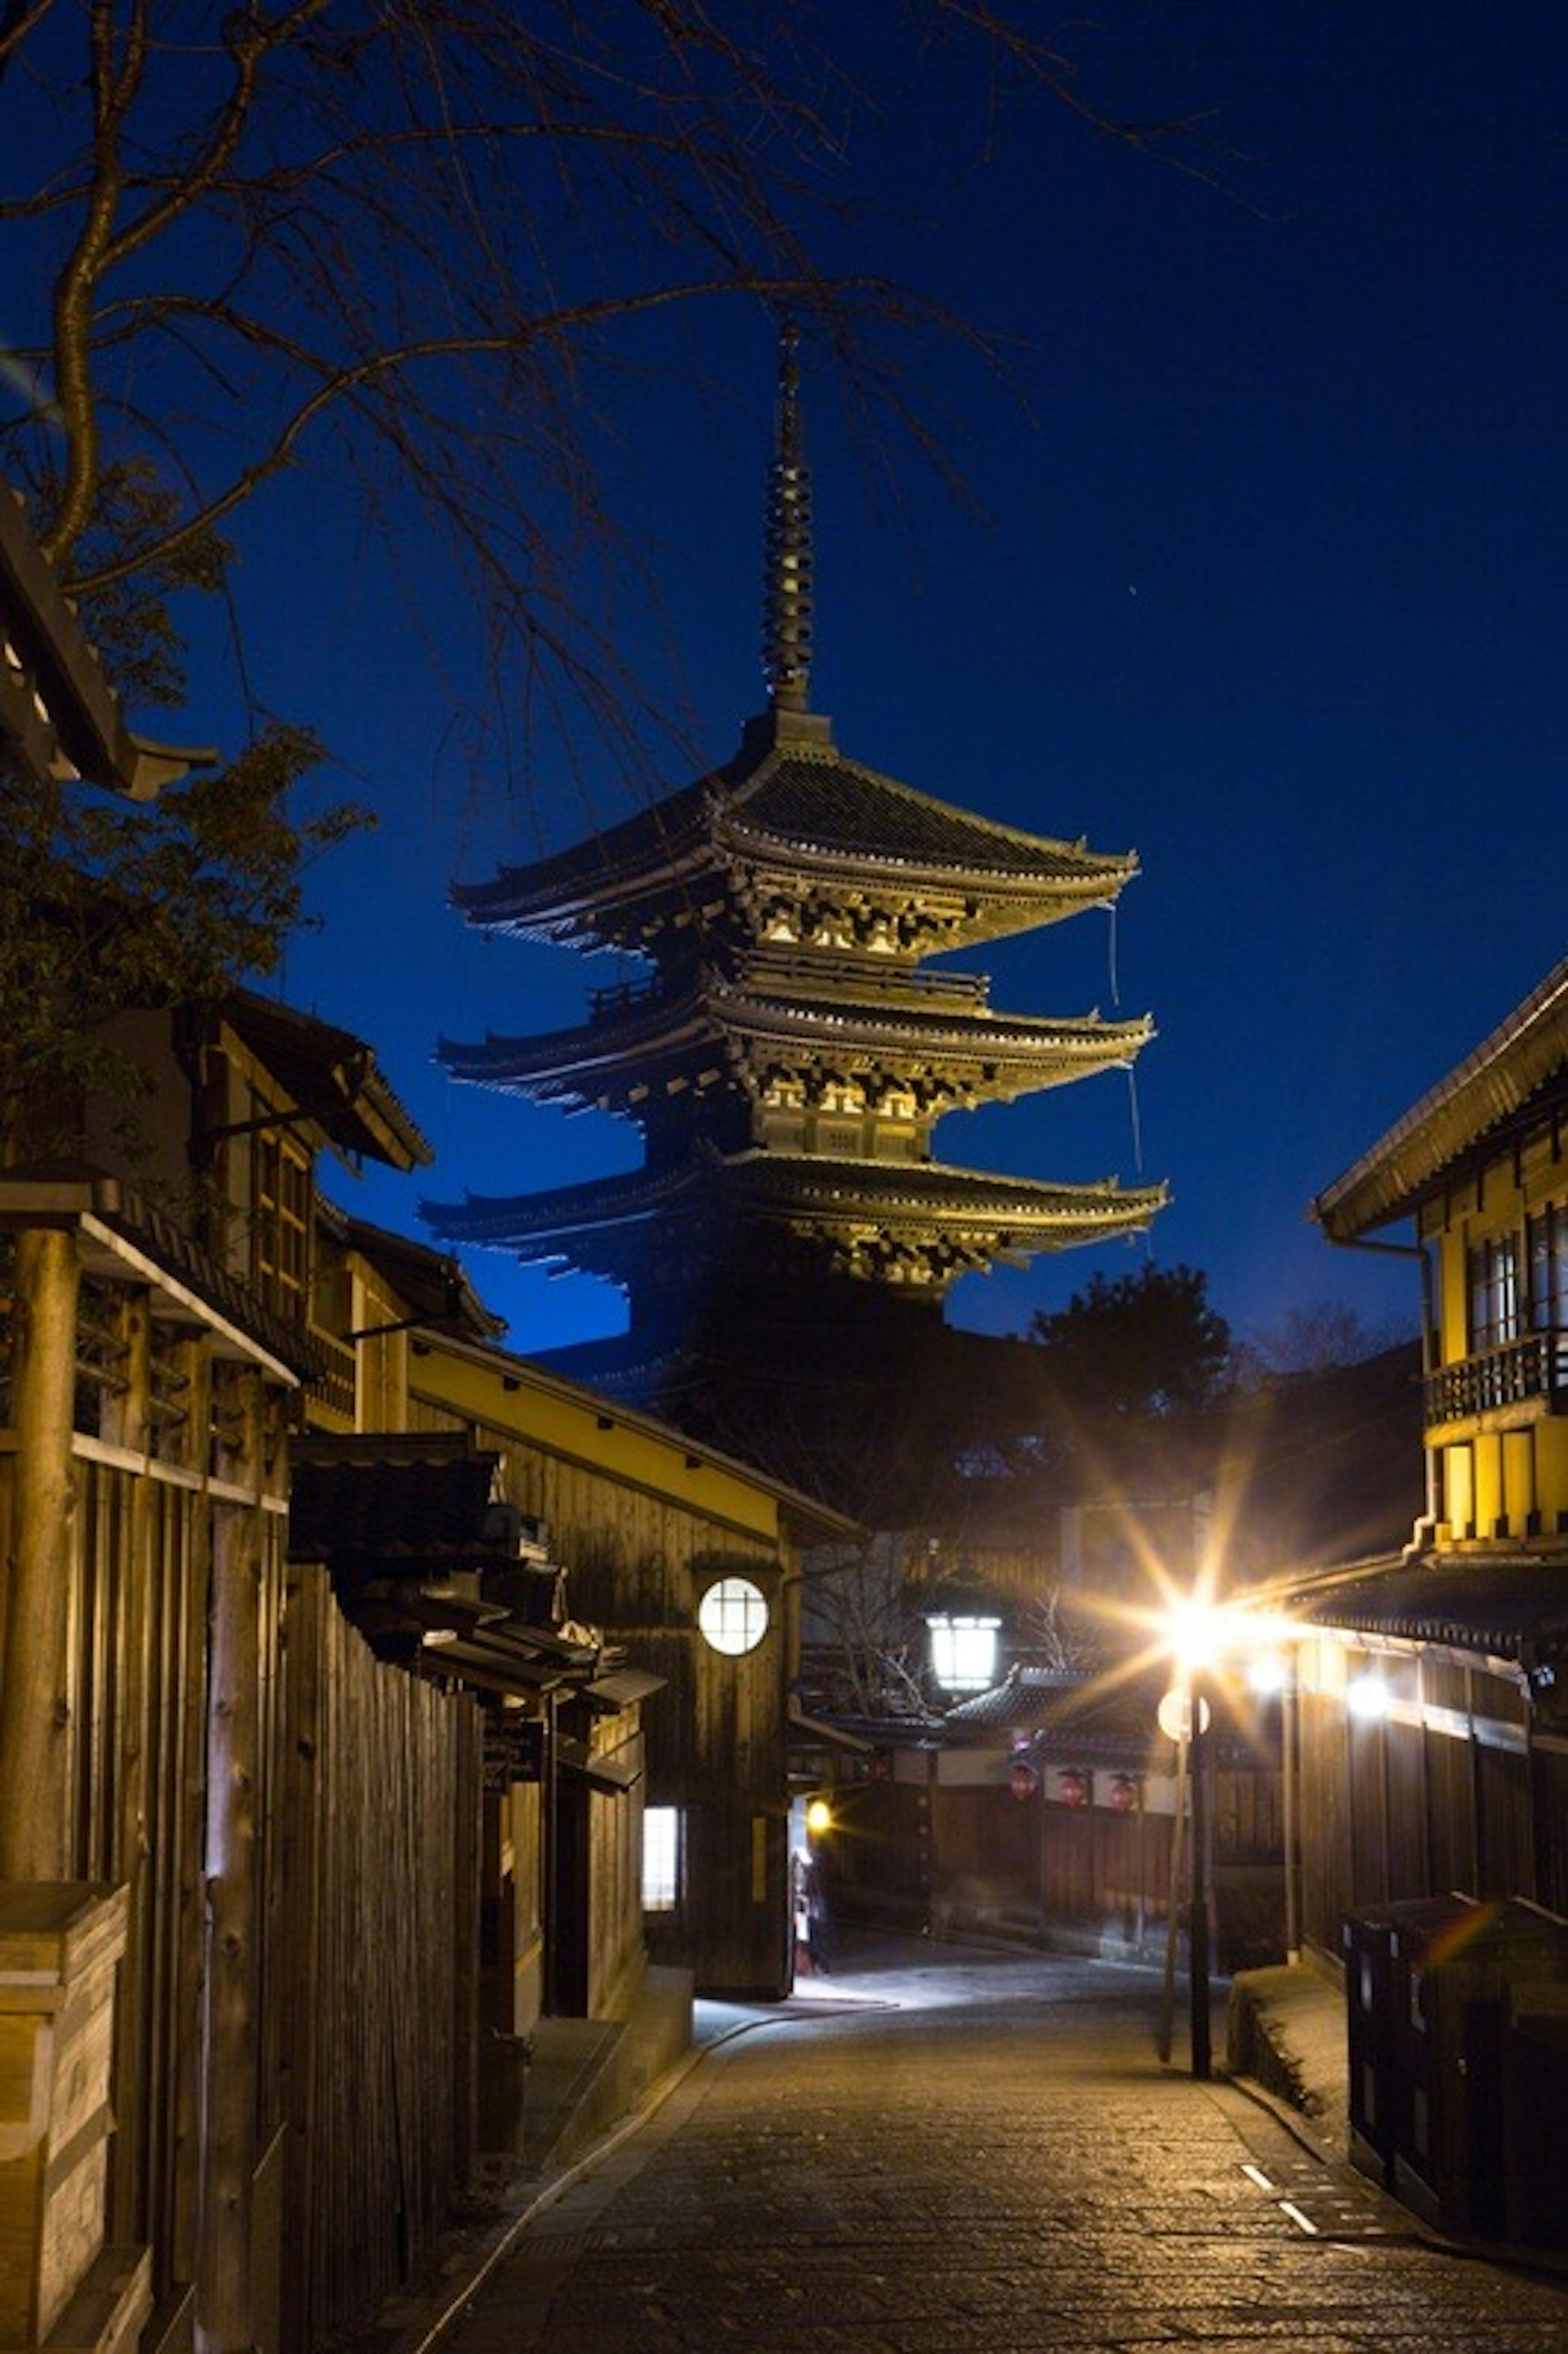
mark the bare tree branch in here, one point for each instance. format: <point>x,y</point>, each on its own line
<point>396,216</point>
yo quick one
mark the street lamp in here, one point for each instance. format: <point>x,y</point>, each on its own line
<point>963,1648</point>
<point>1184,1715</point>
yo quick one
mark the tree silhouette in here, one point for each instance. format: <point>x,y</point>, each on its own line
<point>1136,1355</point>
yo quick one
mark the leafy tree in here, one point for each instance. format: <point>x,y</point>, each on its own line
<point>108,905</point>
<point>1145,1350</point>
<point>411,234</point>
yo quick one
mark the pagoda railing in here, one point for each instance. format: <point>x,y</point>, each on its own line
<point>618,997</point>
<point>1515,1373</point>
<point>874,976</point>
<point>862,978</point>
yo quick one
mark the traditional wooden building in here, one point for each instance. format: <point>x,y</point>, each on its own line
<point>188,1721</point>
<point>1435,1748</point>
<point>656,1825</point>
<point>1429,1710</point>
<point>789,1051</point>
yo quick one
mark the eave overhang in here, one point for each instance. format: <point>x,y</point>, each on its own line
<point>331,1079</point>
<point>125,1239</point>
<point>1001,1054</point>
<point>802,811</point>
<point>1513,1611</point>
<point>1018,1213</point>
<point>59,718</point>
<point>1519,1063</point>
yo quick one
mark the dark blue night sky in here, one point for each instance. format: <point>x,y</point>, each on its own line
<point>1258,571</point>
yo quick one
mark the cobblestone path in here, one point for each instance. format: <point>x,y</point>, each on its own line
<point>997,2168</point>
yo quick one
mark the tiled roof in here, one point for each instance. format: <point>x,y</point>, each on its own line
<point>652,838</point>
<point>671,1024</point>
<point>932,1189</point>
<point>1510,1609</point>
<point>1025,1697</point>
<point>824,802</point>
<point>814,1184</point>
<point>1070,1716</point>
<point>390,1506</point>
<point>1521,1059</point>
<point>797,800</point>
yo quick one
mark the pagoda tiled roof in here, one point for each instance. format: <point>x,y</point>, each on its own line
<point>812,1184</point>
<point>924,1190</point>
<point>818,800</point>
<point>567,1061</point>
<point>800,799</point>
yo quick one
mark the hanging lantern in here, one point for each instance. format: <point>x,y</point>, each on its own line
<point>1123,1793</point>
<point>1073,1787</point>
<point>1022,1778</point>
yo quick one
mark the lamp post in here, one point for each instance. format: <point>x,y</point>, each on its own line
<point>1184,1715</point>
<point>1198,1921</point>
<point>1206,1643</point>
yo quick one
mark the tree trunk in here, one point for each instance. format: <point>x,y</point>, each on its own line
<point>36,1841</point>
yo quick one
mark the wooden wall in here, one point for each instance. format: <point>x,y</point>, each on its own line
<point>377,1968</point>
<point>138,1666</point>
<point>950,1853</point>
<point>1453,1790</point>
<point>638,1562</point>
<point>326,2049</point>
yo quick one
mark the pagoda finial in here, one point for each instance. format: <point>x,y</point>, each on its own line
<point>786,588</point>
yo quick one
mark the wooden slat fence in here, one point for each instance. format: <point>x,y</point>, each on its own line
<point>381,1868</point>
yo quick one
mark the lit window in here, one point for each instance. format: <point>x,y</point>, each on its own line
<point>281,1224</point>
<point>1548,1267</point>
<point>963,1653</point>
<point>732,1615</point>
<point>1494,1292</point>
<point>660,1859</point>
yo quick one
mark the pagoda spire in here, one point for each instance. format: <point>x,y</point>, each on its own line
<point>787,588</point>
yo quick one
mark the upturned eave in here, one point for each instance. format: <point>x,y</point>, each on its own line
<point>1522,1060</point>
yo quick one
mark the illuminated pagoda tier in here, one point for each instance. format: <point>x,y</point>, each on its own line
<point>785,1055</point>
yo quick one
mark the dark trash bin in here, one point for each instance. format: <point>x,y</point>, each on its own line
<point>1535,2100</point>
<point>1378,2080</point>
<point>1453,1969</point>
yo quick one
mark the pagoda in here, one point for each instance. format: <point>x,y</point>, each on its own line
<point>785,1052</point>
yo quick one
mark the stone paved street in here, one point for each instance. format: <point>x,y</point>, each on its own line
<point>982,2154</point>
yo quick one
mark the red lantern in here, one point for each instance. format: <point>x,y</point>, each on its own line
<point>1073,1787</point>
<point>1123,1793</point>
<point>1022,1778</point>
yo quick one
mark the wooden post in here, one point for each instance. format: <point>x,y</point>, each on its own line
<point>224,2317</point>
<point>35,1724</point>
<point>129,1862</point>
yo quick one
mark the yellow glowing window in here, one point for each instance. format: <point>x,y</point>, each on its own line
<point>732,1615</point>
<point>660,1859</point>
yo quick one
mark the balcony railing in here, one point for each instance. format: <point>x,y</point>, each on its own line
<point>618,997</point>
<point>333,1385</point>
<point>1515,1373</point>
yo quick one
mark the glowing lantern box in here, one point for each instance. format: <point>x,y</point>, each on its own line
<point>59,1945</point>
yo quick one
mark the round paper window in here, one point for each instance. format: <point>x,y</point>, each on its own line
<point>732,1615</point>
